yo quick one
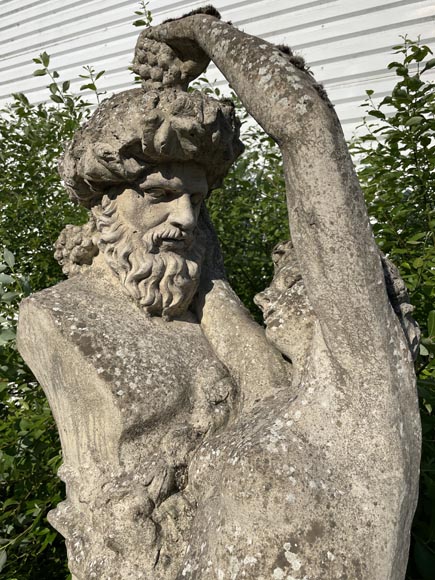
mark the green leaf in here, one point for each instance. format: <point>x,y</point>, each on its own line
<point>9,296</point>
<point>414,83</point>
<point>6,279</point>
<point>377,114</point>
<point>21,97</point>
<point>25,285</point>
<point>56,98</point>
<point>45,59</point>
<point>431,323</point>
<point>414,121</point>
<point>10,501</point>
<point>430,64</point>
<point>40,72</point>
<point>6,335</point>
<point>400,92</point>
<point>65,86</point>
<point>423,350</point>
<point>418,236</point>
<point>3,558</point>
<point>9,258</point>
<point>402,71</point>
<point>394,64</point>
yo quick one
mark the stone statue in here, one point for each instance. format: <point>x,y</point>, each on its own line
<point>195,444</point>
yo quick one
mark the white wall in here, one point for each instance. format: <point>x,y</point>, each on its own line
<point>346,43</point>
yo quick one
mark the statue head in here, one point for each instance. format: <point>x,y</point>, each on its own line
<point>143,164</point>
<point>287,312</point>
<point>289,317</point>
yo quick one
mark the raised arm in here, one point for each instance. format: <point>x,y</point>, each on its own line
<point>328,219</point>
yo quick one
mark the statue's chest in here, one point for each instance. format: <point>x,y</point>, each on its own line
<point>148,364</point>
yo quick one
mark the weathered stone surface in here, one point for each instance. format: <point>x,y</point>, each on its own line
<point>205,447</point>
<point>132,132</point>
<point>318,480</point>
<point>133,398</point>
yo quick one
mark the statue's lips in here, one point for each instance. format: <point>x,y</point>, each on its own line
<point>175,243</point>
<point>267,314</point>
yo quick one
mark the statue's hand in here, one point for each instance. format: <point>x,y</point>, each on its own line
<point>168,55</point>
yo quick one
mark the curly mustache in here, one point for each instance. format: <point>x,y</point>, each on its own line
<point>153,238</point>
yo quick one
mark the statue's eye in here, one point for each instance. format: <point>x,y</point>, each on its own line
<point>157,194</point>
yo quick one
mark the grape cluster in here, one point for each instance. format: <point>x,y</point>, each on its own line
<point>159,66</point>
<point>75,248</point>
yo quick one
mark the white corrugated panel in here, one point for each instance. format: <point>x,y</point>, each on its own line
<point>347,43</point>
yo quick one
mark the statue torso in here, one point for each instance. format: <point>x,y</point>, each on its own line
<point>146,392</point>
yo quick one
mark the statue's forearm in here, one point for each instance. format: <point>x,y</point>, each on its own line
<point>240,343</point>
<point>274,91</point>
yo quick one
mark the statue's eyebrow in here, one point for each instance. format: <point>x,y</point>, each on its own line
<point>162,183</point>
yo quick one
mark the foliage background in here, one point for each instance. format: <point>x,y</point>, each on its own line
<point>396,160</point>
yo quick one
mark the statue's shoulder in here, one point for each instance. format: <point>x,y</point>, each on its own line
<point>91,314</point>
<point>74,312</point>
<point>70,306</point>
<point>64,295</point>
<point>84,331</point>
<point>46,306</point>
<point>92,301</point>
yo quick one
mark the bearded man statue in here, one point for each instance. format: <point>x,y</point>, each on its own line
<point>144,164</point>
<point>133,394</point>
<point>197,445</point>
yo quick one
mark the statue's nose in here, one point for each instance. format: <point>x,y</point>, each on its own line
<point>262,299</point>
<point>183,214</point>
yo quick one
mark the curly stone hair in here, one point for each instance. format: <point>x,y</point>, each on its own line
<point>75,247</point>
<point>133,131</point>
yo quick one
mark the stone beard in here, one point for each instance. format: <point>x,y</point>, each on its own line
<point>161,278</point>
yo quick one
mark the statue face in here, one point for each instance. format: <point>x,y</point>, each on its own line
<point>150,239</point>
<point>286,309</point>
<point>168,204</point>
